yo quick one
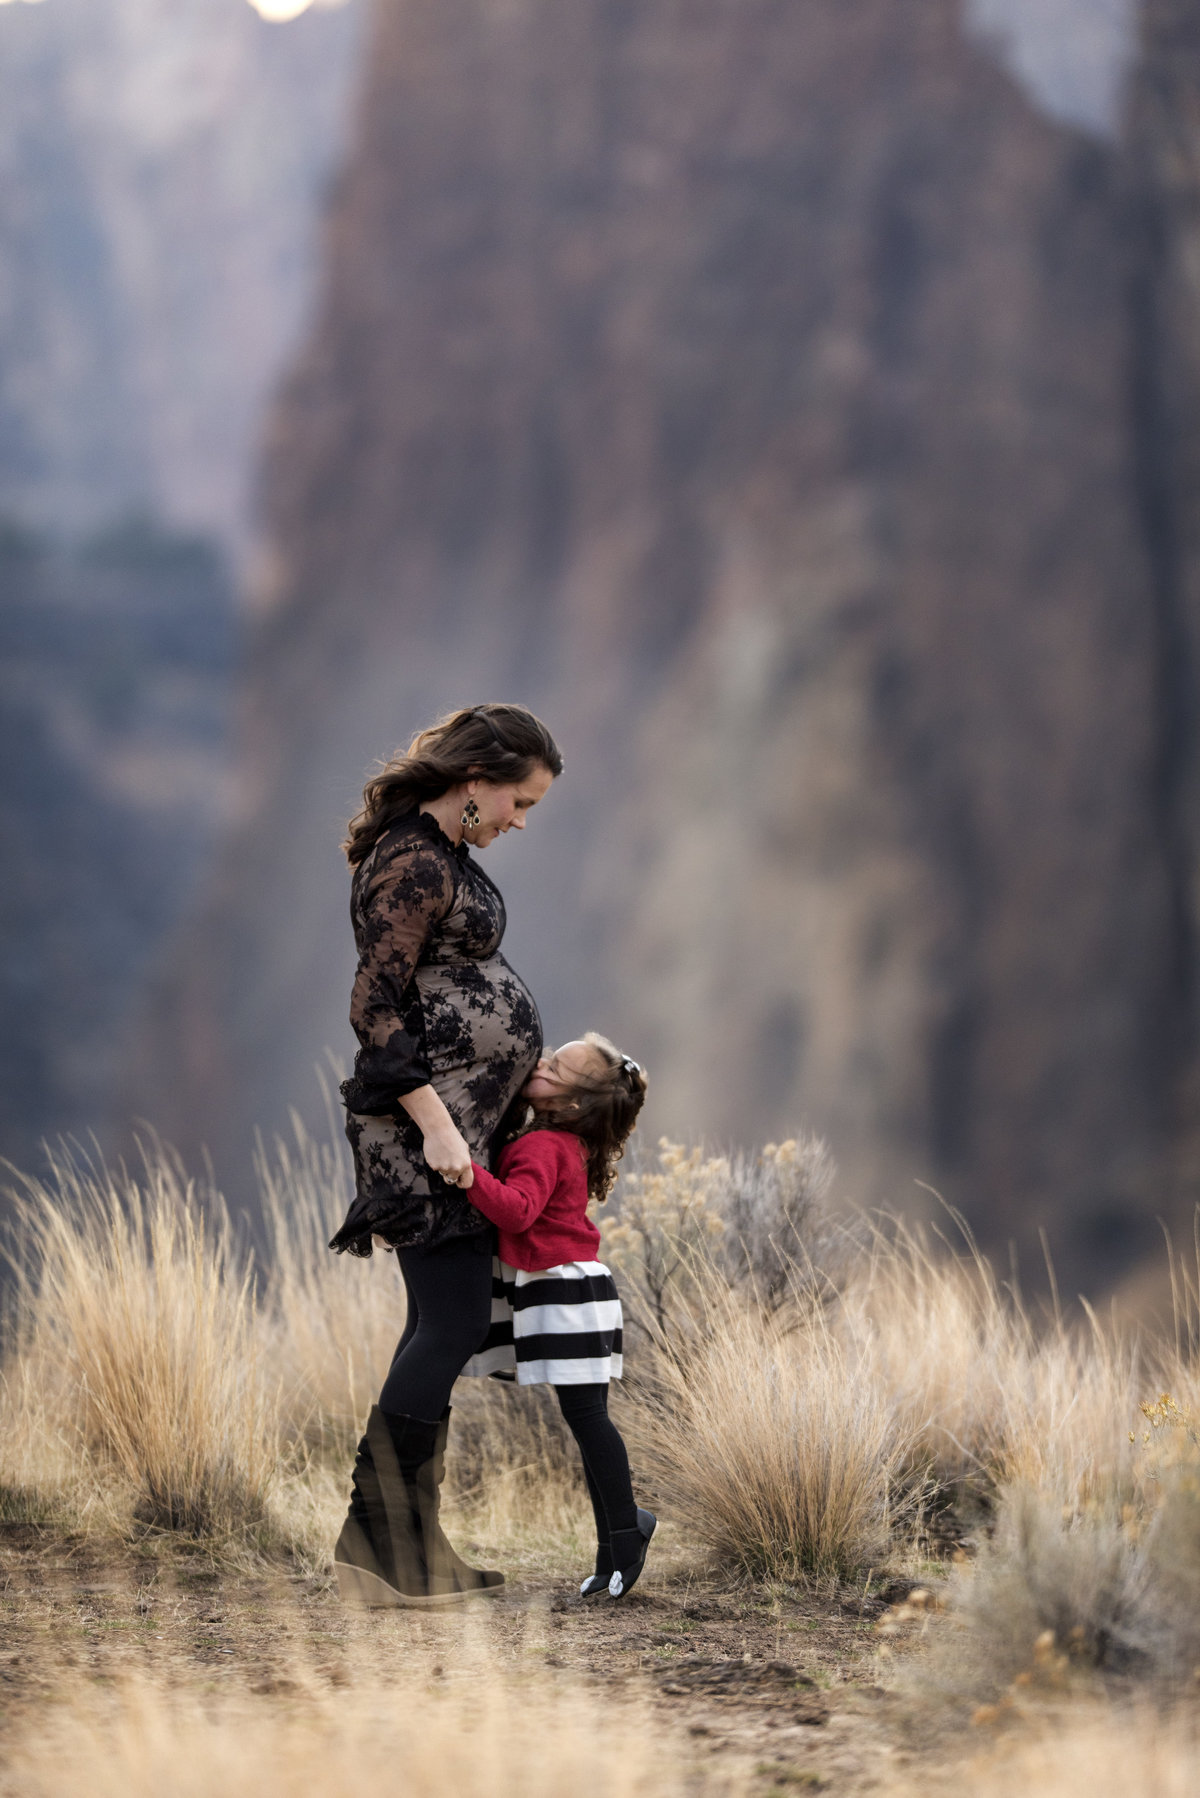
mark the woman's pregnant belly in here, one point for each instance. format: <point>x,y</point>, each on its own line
<point>483,1036</point>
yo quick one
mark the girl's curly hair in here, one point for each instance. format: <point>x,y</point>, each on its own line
<point>603,1110</point>
<point>500,743</point>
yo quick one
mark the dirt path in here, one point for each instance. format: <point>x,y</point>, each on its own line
<point>788,1684</point>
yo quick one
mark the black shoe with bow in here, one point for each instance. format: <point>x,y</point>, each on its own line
<point>597,1582</point>
<point>628,1549</point>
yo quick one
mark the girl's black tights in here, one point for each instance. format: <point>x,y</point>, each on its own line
<point>605,1462</point>
<point>449,1307</point>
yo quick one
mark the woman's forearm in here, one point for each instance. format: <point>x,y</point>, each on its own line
<point>445,1147</point>
<point>427,1109</point>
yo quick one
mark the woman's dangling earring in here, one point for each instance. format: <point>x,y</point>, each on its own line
<point>470,816</point>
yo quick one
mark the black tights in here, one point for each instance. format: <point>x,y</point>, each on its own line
<point>605,1462</point>
<point>449,1307</point>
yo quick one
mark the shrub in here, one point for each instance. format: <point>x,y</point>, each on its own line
<point>660,1234</point>
<point>1075,1581</point>
<point>1125,1752</point>
<point>758,1222</point>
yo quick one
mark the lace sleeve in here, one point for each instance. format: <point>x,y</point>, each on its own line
<point>412,894</point>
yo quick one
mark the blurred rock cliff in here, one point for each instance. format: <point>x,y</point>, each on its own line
<point>800,419</point>
<point>162,165</point>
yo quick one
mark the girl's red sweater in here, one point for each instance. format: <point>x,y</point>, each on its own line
<point>539,1201</point>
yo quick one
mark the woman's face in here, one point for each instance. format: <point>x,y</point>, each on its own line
<point>503,808</point>
<point>559,1073</point>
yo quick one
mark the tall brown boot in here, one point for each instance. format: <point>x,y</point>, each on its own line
<point>438,1552</point>
<point>377,1558</point>
<point>382,1557</point>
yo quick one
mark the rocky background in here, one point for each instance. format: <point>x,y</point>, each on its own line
<point>795,405</point>
<point>162,168</point>
<point>117,658</point>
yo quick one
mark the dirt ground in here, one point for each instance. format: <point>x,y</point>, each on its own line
<point>787,1683</point>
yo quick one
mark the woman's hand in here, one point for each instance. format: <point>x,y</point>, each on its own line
<point>448,1155</point>
<point>445,1147</point>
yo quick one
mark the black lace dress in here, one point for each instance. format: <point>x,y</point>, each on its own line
<point>434,1003</point>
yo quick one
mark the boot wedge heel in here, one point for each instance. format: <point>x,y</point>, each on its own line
<point>356,1586</point>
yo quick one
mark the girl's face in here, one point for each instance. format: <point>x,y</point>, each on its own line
<point>551,1083</point>
<point>503,808</point>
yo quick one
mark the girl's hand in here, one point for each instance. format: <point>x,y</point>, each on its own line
<point>448,1155</point>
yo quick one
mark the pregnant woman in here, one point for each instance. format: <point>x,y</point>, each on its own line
<point>448,1035</point>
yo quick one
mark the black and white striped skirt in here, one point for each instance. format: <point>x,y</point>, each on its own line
<point>558,1327</point>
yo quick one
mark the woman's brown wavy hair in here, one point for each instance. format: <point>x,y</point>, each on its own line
<point>601,1111</point>
<point>499,743</point>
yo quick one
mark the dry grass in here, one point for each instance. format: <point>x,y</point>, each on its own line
<point>768,1443</point>
<point>480,1734</point>
<point>514,1473</point>
<point>1080,1581</point>
<point>937,1333</point>
<point>787,1414</point>
<point>41,1458</point>
<point>790,1435</point>
<point>1087,1523</point>
<point>150,1381</point>
<point>334,1321</point>
<point>1122,1753</point>
<point>139,1349</point>
<point>984,1397</point>
<point>795,1388</point>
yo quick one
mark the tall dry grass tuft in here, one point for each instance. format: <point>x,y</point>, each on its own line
<point>768,1441</point>
<point>139,1330</point>
<point>482,1735</point>
<point>936,1331</point>
<point>334,1321</point>
<point>985,1397</point>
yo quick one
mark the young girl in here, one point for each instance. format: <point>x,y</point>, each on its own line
<point>556,1315</point>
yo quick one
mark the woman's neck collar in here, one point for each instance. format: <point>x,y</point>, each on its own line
<point>446,819</point>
